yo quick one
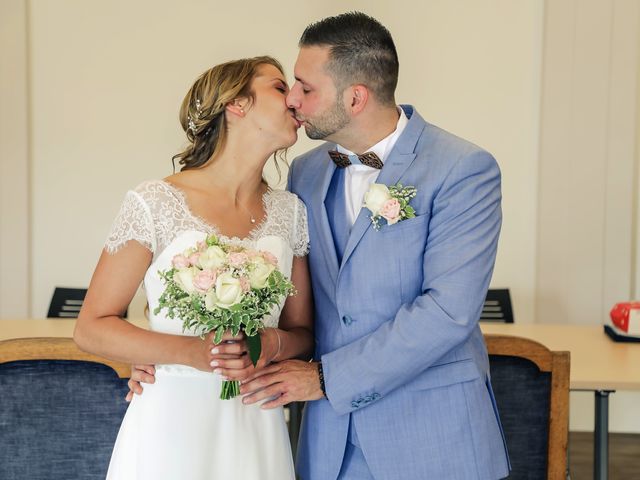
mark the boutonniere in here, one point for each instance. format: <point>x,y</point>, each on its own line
<point>389,203</point>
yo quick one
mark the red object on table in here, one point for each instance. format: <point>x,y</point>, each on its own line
<point>626,317</point>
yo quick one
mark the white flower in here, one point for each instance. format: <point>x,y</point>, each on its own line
<point>212,258</point>
<point>259,273</point>
<point>184,278</point>
<point>376,197</point>
<point>210,300</point>
<point>228,290</point>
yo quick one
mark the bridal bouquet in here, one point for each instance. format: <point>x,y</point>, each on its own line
<point>217,287</point>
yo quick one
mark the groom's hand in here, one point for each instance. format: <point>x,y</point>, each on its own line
<point>287,381</point>
<point>140,374</point>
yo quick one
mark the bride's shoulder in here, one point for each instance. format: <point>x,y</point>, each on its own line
<point>285,196</point>
<point>154,189</point>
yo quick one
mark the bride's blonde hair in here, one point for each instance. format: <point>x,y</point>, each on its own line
<point>202,112</point>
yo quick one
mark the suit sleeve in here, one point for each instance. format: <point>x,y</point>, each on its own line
<point>457,265</point>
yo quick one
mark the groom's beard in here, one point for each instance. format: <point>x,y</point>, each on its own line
<point>332,121</point>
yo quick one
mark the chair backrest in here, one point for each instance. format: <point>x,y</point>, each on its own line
<point>60,410</point>
<point>497,306</point>
<point>531,388</point>
<point>67,302</point>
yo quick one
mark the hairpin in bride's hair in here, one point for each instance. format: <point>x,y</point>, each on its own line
<point>192,125</point>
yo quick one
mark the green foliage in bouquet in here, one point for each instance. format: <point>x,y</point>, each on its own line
<point>240,288</point>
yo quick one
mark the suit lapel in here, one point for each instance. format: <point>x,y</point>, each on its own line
<point>320,212</point>
<point>400,159</point>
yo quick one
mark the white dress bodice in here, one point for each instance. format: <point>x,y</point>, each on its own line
<point>156,214</point>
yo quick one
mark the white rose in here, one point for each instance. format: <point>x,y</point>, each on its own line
<point>212,258</point>
<point>184,278</point>
<point>228,290</point>
<point>376,197</point>
<point>260,271</point>
<point>210,300</point>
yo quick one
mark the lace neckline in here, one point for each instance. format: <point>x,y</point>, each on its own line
<point>209,227</point>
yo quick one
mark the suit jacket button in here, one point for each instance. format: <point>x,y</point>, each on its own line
<point>347,320</point>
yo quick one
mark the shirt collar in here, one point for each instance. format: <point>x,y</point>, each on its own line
<point>384,146</point>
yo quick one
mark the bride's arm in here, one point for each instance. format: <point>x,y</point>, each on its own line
<point>100,328</point>
<point>294,336</point>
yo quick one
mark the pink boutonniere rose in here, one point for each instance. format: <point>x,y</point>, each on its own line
<point>389,203</point>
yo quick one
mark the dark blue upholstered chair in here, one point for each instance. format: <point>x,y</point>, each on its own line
<point>531,387</point>
<point>60,410</point>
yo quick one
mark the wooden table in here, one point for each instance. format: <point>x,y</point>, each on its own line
<point>50,327</point>
<point>598,364</point>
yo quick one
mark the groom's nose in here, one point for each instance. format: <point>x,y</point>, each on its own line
<point>293,97</point>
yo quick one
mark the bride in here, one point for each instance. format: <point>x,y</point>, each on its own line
<point>235,118</point>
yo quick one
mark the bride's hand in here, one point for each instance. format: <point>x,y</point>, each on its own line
<point>229,357</point>
<point>233,360</point>
<point>205,354</point>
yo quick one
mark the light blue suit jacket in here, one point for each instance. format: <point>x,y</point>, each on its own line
<point>397,319</point>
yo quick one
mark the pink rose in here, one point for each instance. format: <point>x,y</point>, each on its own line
<point>204,280</point>
<point>193,258</point>
<point>270,258</point>
<point>202,246</point>
<point>237,259</point>
<point>180,261</point>
<point>390,211</point>
<point>245,284</point>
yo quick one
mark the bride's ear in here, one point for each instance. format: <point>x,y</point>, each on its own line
<point>236,107</point>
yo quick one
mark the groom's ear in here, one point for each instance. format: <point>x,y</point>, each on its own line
<point>359,98</point>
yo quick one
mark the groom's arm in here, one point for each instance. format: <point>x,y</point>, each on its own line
<point>458,261</point>
<point>457,264</point>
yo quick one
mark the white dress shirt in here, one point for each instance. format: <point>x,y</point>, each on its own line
<point>358,178</point>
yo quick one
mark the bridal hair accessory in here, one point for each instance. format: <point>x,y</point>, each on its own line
<point>214,287</point>
<point>192,124</point>
<point>389,203</point>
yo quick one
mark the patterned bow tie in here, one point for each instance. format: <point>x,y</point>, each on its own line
<point>342,160</point>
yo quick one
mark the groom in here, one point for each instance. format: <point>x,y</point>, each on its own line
<point>399,388</point>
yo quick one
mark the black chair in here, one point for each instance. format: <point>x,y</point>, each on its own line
<point>67,302</point>
<point>531,388</point>
<point>60,410</point>
<point>497,306</point>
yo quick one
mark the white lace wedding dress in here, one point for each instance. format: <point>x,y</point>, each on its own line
<point>179,428</point>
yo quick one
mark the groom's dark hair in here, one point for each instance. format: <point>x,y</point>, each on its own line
<point>361,51</point>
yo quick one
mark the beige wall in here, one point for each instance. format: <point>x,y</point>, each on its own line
<point>15,190</point>
<point>107,79</point>
<point>103,81</point>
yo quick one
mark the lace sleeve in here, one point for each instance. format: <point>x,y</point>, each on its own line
<point>300,232</point>
<point>133,222</point>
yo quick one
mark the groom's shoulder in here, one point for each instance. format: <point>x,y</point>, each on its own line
<point>440,139</point>
<point>315,158</point>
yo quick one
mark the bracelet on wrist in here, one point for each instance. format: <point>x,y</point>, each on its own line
<point>321,378</point>
<point>275,357</point>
